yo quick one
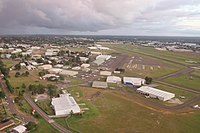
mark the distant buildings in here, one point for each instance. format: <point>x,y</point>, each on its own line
<point>65,105</point>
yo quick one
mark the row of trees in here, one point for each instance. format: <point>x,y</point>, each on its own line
<point>40,89</point>
<point>25,74</point>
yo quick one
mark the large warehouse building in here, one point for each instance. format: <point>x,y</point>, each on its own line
<point>156,93</point>
<point>65,105</point>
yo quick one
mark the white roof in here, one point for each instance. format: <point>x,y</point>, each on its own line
<point>113,79</point>
<point>68,72</point>
<point>20,129</point>
<point>133,81</point>
<point>65,104</point>
<point>85,65</point>
<point>47,66</point>
<point>105,57</point>
<point>50,75</point>
<point>160,93</point>
<point>106,73</point>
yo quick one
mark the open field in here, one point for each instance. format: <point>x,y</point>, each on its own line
<point>45,105</point>
<point>110,112</point>
<point>186,81</point>
<point>196,73</point>
<point>114,113</point>
<point>9,63</point>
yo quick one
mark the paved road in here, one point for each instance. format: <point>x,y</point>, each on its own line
<point>12,108</point>
<point>44,115</point>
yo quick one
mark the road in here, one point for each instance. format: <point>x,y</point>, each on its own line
<point>13,109</point>
<point>44,115</point>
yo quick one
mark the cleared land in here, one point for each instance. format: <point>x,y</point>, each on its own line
<point>111,112</point>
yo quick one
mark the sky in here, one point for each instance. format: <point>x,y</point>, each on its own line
<point>101,17</point>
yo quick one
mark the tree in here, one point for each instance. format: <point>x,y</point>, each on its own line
<point>17,74</point>
<point>26,73</point>
<point>51,89</point>
<point>17,67</point>
<point>23,86</point>
<point>2,94</point>
<point>148,80</point>
<point>31,125</point>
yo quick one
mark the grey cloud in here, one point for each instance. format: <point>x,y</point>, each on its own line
<point>95,16</point>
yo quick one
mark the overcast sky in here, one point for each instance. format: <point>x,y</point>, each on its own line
<point>101,17</point>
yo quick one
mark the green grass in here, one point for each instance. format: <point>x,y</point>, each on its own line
<point>185,80</point>
<point>196,72</point>
<point>44,127</point>
<point>118,114</point>
<point>45,106</point>
<point>173,56</point>
<point>9,62</point>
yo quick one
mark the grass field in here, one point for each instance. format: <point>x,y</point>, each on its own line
<point>45,106</point>
<point>112,112</point>
<point>9,63</point>
<point>196,72</point>
<point>173,56</point>
<point>185,80</point>
<point>44,127</point>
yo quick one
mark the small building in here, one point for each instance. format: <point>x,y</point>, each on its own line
<point>105,73</point>
<point>19,129</point>
<point>68,72</point>
<point>65,105</point>
<point>85,65</point>
<point>46,76</point>
<point>84,59</point>
<point>95,53</point>
<point>76,68</point>
<point>45,67</point>
<point>113,79</point>
<point>100,84</point>
<point>156,93</point>
<point>133,81</point>
<point>55,70</point>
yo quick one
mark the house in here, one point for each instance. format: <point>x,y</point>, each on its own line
<point>45,67</point>
<point>84,59</point>
<point>76,68</point>
<point>113,79</point>
<point>19,129</point>
<point>133,81</point>
<point>156,93</point>
<point>30,67</point>
<point>95,53</point>
<point>85,65</point>
<point>105,73</point>
<point>99,84</point>
<point>65,104</point>
<point>46,76</point>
